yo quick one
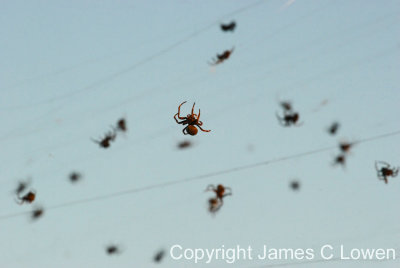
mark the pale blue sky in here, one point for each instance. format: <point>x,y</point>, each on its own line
<point>70,69</point>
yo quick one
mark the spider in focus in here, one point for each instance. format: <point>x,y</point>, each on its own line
<point>222,57</point>
<point>159,256</point>
<point>228,27</point>
<point>121,125</point>
<point>105,142</point>
<point>29,198</point>
<point>333,128</point>
<point>191,120</point>
<point>385,171</point>
<point>289,118</point>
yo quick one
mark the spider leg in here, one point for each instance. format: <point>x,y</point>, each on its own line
<point>179,111</point>
<point>198,118</point>
<point>193,107</point>
<point>383,163</point>
<point>203,129</point>
<point>183,130</point>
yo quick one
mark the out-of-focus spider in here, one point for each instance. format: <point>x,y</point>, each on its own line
<point>385,171</point>
<point>286,106</point>
<point>333,128</point>
<point>191,120</point>
<point>159,256</point>
<point>184,144</point>
<point>112,250</point>
<point>228,27</point>
<point>109,137</point>
<point>295,185</point>
<point>22,185</point>
<point>345,147</point>
<point>121,125</point>
<point>37,213</point>
<point>222,57</point>
<point>340,160</point>
<point>289,118</point>
<point>214,204</point>
<point>29,197</point>
<point>75,177</point>
<point>220,190</point>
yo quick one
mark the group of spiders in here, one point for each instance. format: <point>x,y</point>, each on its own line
<point>220,58</point>
<point>110,136</point>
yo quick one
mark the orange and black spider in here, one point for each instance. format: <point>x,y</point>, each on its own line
<point>191,120</point>
<point>75,177</point>
<point>105,142</point>
<point>121,125</point>
<point>222,57</point>
<point>112,250</point>
<point>37,213</point>
<point>228,27</point>
<point>385,171</point>
<point>220,190</point>
<point>29,197</point>
<point>289,118</point>
<point>333,128</point>
<point>159,256</point>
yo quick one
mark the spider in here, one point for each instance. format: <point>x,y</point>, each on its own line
<point>75,176</point>
<point>191,120</point>
<point>121,125</point>
<point>37,213</point>
<point>159,256</point>
<point>105,142</point>
<point>228,27</point>
<point>345,147</point>
<point>295,185</point>
<point>333,128</point>
<point>222,57</point>
<point>112,249</point>
<point>289,118</point>
<point>385,171</point>
<point>219,191</point>
<point>29,197</point>
<point>340,160</point>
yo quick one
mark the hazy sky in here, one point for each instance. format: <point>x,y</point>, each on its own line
<point>70,69</point>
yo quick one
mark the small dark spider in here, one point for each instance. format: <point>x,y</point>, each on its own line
<point>37,213</point>
<point>121,125</point>
<point>29,197</point>
<point>112,250</point>
<point>333,128</point>
<point>159,256</point>
<point>385,171</point>
<point>289,118</point>
<point>345,147</point>
<point>191,120</point>
<point>220,190</point>
<point>222,57</point>
<point>228,27</point>
<point>340,160</point>
<point>75,177</point>
<point>184,144</point>
<point>109,137</point>
<point>295,185</point>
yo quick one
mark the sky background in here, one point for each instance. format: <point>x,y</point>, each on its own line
<point>70,69</point>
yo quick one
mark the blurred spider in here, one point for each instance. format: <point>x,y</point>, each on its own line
<point>228,27</point>
<point>286,106</point>
<point>22,185</point>
<point>121,125</point>
<point>112,250</point>
<point>74,177</point>
<point>214,204</point>
<point>159,256</point>
<point>29,197</point>
<point>289,118</point>
<point>191,120</point>
<point>220,191</point>
<point>222,57</point>
<point>340,160</point>
<point>333,128</point>
<point>109,137</point>
<point>184,144</point>
<point>385,171</point>
<point>295,185</point>
<point>345,147</point>
<point>37,213</point>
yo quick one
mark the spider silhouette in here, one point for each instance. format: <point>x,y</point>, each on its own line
<point>75,177</point>
<point>159,256</point>
<point>191,120</point>
<point>121,125</point>
<point>295,185</point>
<point>105,142</point>
<point>333,128</point>
<point>230,27</point>
<point>112,250</point>
<point>385,171</point>
<point>289,118</point>
<point>29,198</point>
<point>222,57</point>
